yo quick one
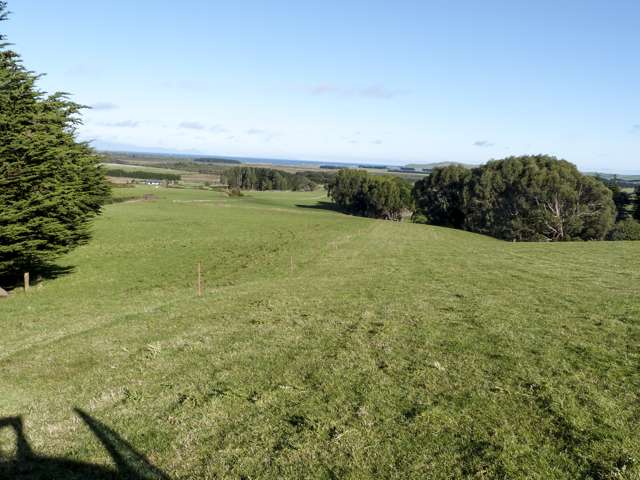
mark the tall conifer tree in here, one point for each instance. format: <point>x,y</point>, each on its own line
<point>51,185</point>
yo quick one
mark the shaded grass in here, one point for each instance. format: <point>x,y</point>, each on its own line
<point>329,346</point>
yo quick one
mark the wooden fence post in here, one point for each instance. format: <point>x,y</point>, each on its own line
<point>199,279</point>
<point>26,281</point>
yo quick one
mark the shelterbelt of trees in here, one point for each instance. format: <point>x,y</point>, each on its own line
<point>528,198</point>
<point>378,196</point>
<point>256,178</point>
<point>172,177</point>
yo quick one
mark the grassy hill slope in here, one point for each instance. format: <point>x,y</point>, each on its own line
<point>328,346</point>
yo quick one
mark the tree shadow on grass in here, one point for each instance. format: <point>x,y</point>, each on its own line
<point>322,205</point>
<point>28,465</point>
<point>47,271</point>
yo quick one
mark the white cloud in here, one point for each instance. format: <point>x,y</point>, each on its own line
<point>483,143</point>
<point>104,106</point>
<point>192,125</point>
<point>121,124</point>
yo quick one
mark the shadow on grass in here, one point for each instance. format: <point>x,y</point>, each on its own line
<point>323,206</point>
<point>28,465</point>
<point>36,274</point>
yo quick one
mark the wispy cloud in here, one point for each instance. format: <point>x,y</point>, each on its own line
<point>104,106</point>
<point>483,143</point>
<point>259,132</point>
<point>376,91</point>
<point>192,126</point>
<point>121,124</point>
<point>352,139</point>
<point>635,128</point>
<point>372,91</point>
<point>358,138</point>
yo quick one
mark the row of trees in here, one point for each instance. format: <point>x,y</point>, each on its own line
<point>50,184</point>
<point>528,198</point>
<point>252,178</point>
<point>171,177</point>
<point>378,196</point>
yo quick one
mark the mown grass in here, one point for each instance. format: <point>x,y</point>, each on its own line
<point>329,346</point>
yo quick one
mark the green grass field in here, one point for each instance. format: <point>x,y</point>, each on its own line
<point>328,346</point>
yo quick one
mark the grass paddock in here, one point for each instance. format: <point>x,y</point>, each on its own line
<point>327,346</point>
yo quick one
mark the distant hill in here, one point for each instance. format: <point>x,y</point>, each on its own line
<point>431,166</point>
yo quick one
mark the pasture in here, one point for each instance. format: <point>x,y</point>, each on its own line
<point>327,346</point>
<point>188,178</point>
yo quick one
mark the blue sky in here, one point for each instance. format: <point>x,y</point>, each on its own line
<point>375,81</point>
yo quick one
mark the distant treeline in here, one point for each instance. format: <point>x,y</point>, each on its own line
<point>373,167</point>
<point>218,160</point>
<point>377,196</point>
<point>530,198</point>
<point>619,182</point>
<point>158,158</point>
<point>208,168</point>
<point>252,178</point>
<point>172,177</point>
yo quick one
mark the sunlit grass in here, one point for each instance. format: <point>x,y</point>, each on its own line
<point>329,346</point>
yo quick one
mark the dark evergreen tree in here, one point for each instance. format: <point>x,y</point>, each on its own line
<point>621,199</point>
<point>348,189</point>
<point>50,184</point>
<point>636,202</point>
<point>440,196</point>
<point>519,198</point>
<point>377,196</point>
<point>538,197</point>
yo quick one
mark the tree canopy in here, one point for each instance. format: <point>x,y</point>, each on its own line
<point>51,185</point>
<point>143,174</point>
<point>255,178</point>
<point>526,198</point>
<point>627,229</point>
<point>378,196</point>
<point>440,196</point>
